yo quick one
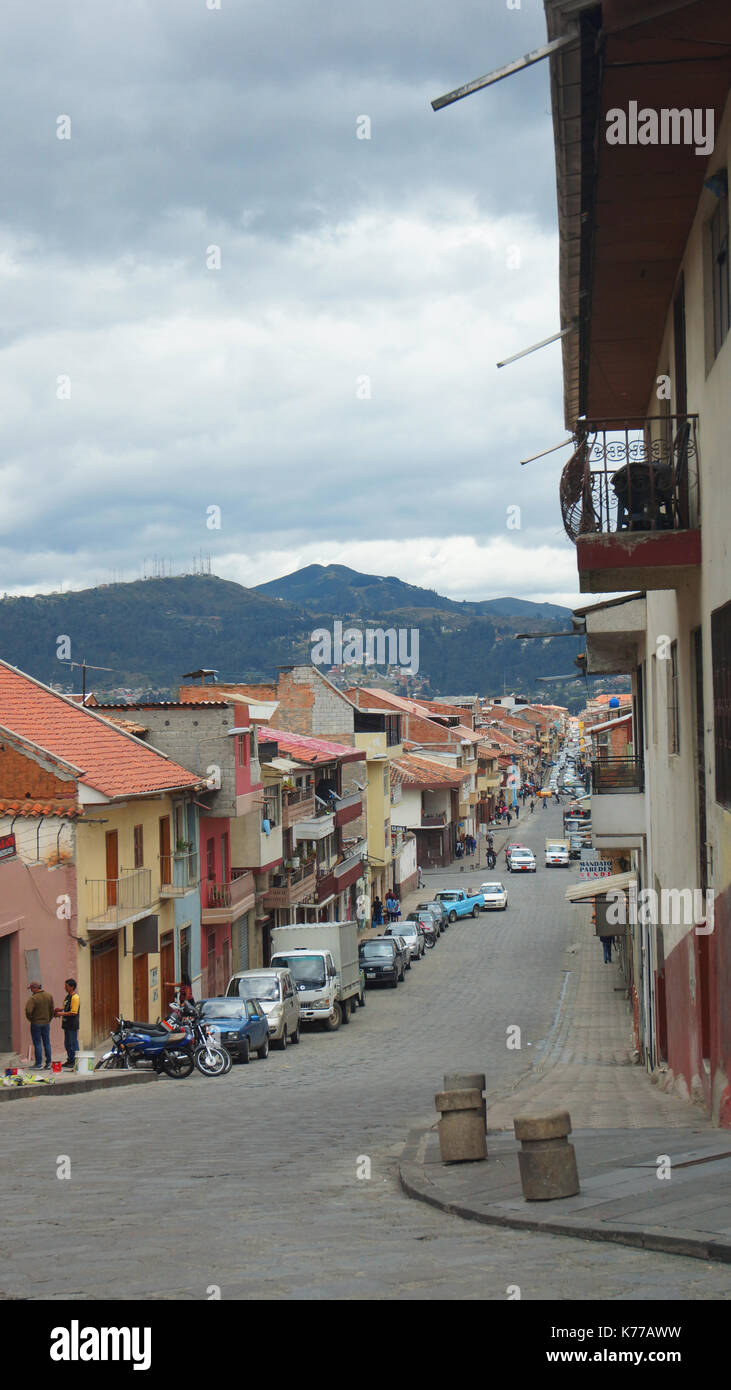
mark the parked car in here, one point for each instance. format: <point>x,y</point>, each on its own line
<point>395,931</point>
<point>276,992</point>
<point>522,861</point>
<point>413,936</point>
<point>428,925</point>
<point>438,912</point>
<point>241,1024</point>
<point>495,896</point>
<point>379,957</point>
<point>459,903</point>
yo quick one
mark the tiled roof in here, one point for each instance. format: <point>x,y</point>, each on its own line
<point>422,772</point>
<point>29,808</point>
<point>109,760</point>
<point>310,750</point>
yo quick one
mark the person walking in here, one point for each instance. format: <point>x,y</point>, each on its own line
<point>377,912</point>
<point>544,802</point>
<point>70,1016</point>
<point>607,943</point>
<point>516,808</point>
<point>532,807</point>
<point>39,1011</point>
<point>508,817</point>
<point>419,877</point>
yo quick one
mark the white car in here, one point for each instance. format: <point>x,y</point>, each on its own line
<point>496,898</point>
<point>522,861</point>
<point>557,855</point>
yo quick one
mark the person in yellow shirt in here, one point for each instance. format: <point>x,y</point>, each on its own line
<point>70,1016</point>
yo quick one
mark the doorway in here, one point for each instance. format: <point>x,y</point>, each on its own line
<point>6,994</point>
<point>167,972</point>
<point>140,987</point>
<point>104,988</point>
<point>112,867</point>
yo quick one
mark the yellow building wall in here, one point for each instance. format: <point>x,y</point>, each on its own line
<point>92,865</point>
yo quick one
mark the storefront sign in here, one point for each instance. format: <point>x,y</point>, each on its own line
<point>7,847</point>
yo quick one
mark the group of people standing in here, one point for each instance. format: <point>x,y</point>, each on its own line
<point>465,845</point>
<point>40,1010</point>
<point>391,912</point>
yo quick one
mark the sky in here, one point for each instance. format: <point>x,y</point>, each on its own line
<point>253,305</point>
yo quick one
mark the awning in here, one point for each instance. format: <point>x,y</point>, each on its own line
<point>283,765</point>
<point>597,887</point>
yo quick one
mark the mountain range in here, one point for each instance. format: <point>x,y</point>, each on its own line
<point>150,632</point>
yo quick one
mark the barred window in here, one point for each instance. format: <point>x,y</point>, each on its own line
<point>721,662</point>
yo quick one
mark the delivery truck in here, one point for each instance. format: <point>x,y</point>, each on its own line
<point>323,959</point>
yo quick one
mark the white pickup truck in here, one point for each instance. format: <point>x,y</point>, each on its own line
<point>557,853</point>
<point>322,958</point>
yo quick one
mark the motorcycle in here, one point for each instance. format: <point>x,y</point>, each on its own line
<point>210,1056</point>
<point>141,1043</point>
<point>491,859</point>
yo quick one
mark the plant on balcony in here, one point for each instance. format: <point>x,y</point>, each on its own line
<point>183,846</point>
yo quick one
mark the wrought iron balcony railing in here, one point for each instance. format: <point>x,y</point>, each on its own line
<point>617,774</point>
<point>632,475</point>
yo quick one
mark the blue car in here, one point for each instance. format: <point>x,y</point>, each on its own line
<point>241,1023</point>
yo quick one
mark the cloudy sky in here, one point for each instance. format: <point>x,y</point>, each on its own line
<point>216,295</point>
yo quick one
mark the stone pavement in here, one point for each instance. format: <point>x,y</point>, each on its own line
<point>623,1125</point>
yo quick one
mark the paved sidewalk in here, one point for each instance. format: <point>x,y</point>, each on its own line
<point>65,1083</point>
<point>622,1126</point>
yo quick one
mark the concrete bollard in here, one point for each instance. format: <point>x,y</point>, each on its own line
<point>468,1081</point>
<point>461,1126</point>
<point>546,1160</point>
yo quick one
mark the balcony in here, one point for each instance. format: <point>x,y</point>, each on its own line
<point>178,874</point>
<point>353,856</point>
<point>296,806</point>
<point>112,902</point>
<point>349,808</point>
<point>630,503</point>
<point>433,820</point>
<point>616,775</point>
<point>618,803</point>
<point>223,901</point>
<point>292,887</point>
<point>316,827</point>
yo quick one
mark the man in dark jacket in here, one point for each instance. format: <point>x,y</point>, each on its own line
<point>39,1011</point>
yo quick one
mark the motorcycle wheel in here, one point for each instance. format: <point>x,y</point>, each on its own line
<point>112,1061</point>
<point>213,1061</point>
<point>177,1064</point>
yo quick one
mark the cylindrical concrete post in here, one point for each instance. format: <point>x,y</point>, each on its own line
<point>546,1160</point>
<point>461,1126</point>
<point>467,1081</point>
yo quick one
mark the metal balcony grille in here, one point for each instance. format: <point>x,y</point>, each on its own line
<point>617,775</point>
<point>632,475</point>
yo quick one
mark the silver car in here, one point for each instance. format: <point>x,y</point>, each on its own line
<point>275,990</point>
<point>413,937</point>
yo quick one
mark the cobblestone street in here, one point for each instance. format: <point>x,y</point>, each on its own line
<point>249,1183</point>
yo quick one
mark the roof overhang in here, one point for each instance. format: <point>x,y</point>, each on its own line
<point>598,887</point>
<point>625,210</point>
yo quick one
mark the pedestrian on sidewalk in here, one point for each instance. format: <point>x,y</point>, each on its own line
<point>70,1016</point>
<point>39,1011</point>
<point>377,918</point>
<point>419,877</point>
<point>184,988</point>
<point>607,943</point>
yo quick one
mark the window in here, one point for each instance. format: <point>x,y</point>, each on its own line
<point>241,749</point>
<point>721,662</point>
<point>139,847</point>
<point>719,272</point>
<point>673,710</point>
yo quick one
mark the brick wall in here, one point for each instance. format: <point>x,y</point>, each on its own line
<point>21,777</point>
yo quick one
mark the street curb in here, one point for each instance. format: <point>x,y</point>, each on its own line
<point>94,1083</point>
<point>416,1185</point>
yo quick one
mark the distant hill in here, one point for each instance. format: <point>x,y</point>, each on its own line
<point>338,589</point>
<point>152,631</point>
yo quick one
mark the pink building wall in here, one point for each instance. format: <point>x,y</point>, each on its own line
<point>28,907</point>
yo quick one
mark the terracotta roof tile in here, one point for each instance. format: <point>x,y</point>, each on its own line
<point>111,761</point>
<point>310,750</point>
<point>40,808</point>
